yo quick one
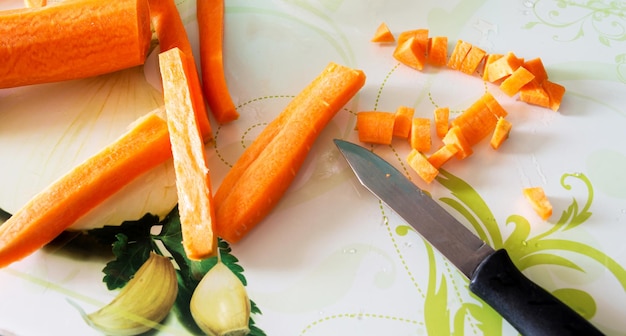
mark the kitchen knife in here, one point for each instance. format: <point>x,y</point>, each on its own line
<point>492,275</point>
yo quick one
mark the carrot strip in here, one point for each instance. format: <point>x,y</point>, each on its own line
<point>535,66</point>
<point>458,54</point>
<point>490,58</point>
<point>71,40</point>
<point>55,208</point>
<point>172,34</point>
<point>193,182</point>
<point>442,121</point>
<point>383,34</point>
<point>502,67</point>
<point>375,127</point>
<point>438,50</point>
<point>555,94</point>
<point>512,84</point>
<point>455,137</point>
<point>418,162</point>
<point>410,53</point>
<point>402,123</point>
<point>472,60</point>
<point>539,201</point>
<point>420,35</point>
<point>443,155</point>
<point>419,138</point>
<point>500,133</point>
<point>210,14</point>
<point>257,181</point>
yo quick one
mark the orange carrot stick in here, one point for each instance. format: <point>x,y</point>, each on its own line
<point>210,14</point>
<point>421,165</point>
<point>193,182</point>
<point>500,133</point>
<point>402,122</point>
<point>375,127</point>
<point>172,34</point>
<point>72,39</point>
<point>539,201</point>
<point>442,121</point>
<point>257,181</point>
<point>383,34</point>
<point>512,84</point>
<point>55,208</point>
<point>443,155</point>
<point>420,138</point>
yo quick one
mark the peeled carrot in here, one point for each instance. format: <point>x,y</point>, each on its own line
<point>500,133</point>
<point>458,54</point>
<point>455,137</point>
<point>419,138</point>
<point>512,84</point>
<point>420,35</point>
<point>193,182</point>
<point>418,162</point>
<point>539,201</point>
<point>443,155</point>
<point>472,60</point>
<point>55,208</point>
<point>375,127</point>
<point>555,94</point>
<point>72,39</point>
<point>402,122</point>
<point>410,53</point>
<point>257,181</point>
<point>210,15</point>
<point>442,120</point>
<point>171,33</point>
<point>503,66</point>
<point>438,50</point>
<point>383,34</point>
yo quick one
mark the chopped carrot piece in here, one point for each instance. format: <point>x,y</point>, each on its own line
<point>171,33</point>
<point>503,67</point>
<point>420,138</point>
<point>383,34</point>
<point>535,66</point>
<point>455,137</point>
<point>458,54</point>
<point>512,84</point>
<point>375,127</point>
<point>479,120</point>
<point>210,15</point>
<point>259,178</point>
<point>500,133</point>
<point>418,162</point>
<point>534,93</point>
<point>539,201</point>
<point>472,60</point>
<point>443,155</point>
<point>490,58</point>
<point>555,94</point>
<point>55,208</point>
<point>71,40</point>
<point>442,121</point>
<point>193,182</point>
<point>402,123</point>
<point>420,35</point>
<point>410,53</point>
<point>438,50</point>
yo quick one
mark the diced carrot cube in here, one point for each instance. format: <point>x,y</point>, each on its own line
<point>458,54</point>
<point>438,50</point>
<point>456,138</point>
<point>402,125</point>
<point>512,84</point>
<point>420,134</point>
<point>375,127</point>
<point>442,121</point>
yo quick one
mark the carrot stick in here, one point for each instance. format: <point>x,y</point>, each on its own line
<point>443,155</point>
<point>500,133</point>
<point>442,121</point>
<point>55,208</point>
<point>421,165</point>
<point>419,138</point>
<point>71,40</point>
<point>210,15</point>
<point>375,127</point>
<point>410,53</point>
<point>257,181</point>
<point>438,50</point>
<point>402,122</point>
<point>383,34</point>
<point>512,84</point>
<point>193,182</point>
<point>172,34</point>
<point>539,201</point>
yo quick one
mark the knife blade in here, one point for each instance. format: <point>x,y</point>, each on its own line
<point>492,274</point>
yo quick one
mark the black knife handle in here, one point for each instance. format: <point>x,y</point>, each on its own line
<point>526,306</point>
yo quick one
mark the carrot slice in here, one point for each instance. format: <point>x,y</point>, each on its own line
<point>420,35</point>
<point>442,121</point>
<point>418,162</point>
<point>490,58</point>
<point>502,67</point>
<point>375,127</point>
<point>57,42</point>
<point>455,137</point>
<point>410,53</point>
<point>383,34</point>
<point>458,54</point>
<point>55,208</point>
<point>443,155</point>
<point>535,66</point>
<point>555,94</point>
<point>472,60</point>
<point>210,14</point>
<point>512,84</point>
<point>534,93</point>
<point>420,134</point>
<point>438,50</point>
<point>539,201</point>
<point>172,34</point>
<point>402,123</point>
<point>500,133</point>
<point>193,182</point>
<point>257,181</point>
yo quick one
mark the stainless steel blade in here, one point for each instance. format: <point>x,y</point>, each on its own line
<point>446,234</point>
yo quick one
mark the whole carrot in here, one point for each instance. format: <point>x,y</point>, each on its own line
<point>72,39</point>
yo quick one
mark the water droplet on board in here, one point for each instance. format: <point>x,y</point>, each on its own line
<point>349,251</point>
